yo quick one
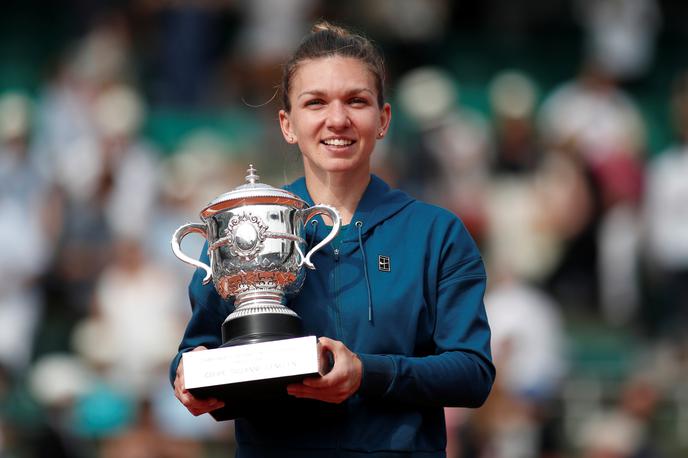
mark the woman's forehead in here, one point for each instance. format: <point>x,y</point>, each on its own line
<point>333,72</point>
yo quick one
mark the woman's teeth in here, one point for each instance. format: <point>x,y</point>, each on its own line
<point>338,142</point>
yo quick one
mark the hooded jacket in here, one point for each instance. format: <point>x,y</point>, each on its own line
<point>403,289</point>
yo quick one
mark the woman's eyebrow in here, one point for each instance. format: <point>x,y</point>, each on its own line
<point>321,93</point>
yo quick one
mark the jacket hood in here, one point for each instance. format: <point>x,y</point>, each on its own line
<point>378,203</point>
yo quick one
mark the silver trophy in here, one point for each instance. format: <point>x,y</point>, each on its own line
<point>257,256</point>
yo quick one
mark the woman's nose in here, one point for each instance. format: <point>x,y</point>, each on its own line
<point>337,116</point>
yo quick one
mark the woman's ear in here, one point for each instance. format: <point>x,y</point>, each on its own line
<point>385,119</point>
<point>285,125</point>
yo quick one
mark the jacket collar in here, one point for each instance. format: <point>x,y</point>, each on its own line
<point>378,203</point>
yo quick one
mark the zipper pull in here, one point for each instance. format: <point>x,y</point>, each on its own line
<point>336,254</point>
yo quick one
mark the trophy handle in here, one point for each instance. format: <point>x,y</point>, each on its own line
<point>321,209</point>
<point>177,237</point>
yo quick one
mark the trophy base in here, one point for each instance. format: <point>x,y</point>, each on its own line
<point>254,374</point>
<point>260,327</point>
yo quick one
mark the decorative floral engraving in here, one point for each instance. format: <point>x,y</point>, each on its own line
<point>247,234</point>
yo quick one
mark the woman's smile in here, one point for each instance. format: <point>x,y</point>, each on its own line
<point>338,142</point>
<point>338,145</point>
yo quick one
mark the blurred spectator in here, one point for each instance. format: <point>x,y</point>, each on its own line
<point>405,21</point>
<point>21,421</point>
<point>666,226</point>
<point>624,431</point>
<point>129,161</point>
<point>618,240</point>
<point>513,98</point>
<point>82,251</point>
<point>528,349</point>
<point>542,229</point>
<point>182,47</point>
<point>269,31</point>
<point>26,230</point>
<point>524,237</point>
<point>592,120</point>
<point>450,157</point>
<point>136,320</point>
<point>620,35</point>
<point>528,338</point>
<point>118,200</point>
<point>56,381</point>
<point>531,353</point>
<point>575,216</point>
<point>144,439</point>
<point>411,31</point>
<point>67,142</point>
<point>104,174</point>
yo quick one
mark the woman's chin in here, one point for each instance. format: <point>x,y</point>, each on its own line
<point>341,166</point>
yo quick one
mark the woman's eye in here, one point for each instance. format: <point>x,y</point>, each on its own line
<point>358,101</point>
<point>315,102</point>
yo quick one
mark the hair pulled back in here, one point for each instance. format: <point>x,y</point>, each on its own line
<point>328,40</point>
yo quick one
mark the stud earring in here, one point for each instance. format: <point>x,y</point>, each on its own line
<point>381,134</point>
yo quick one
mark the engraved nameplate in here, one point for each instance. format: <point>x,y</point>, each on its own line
<point>245,363</point>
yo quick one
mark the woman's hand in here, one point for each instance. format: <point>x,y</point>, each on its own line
<point>196,406</point>
<point>337,385</point>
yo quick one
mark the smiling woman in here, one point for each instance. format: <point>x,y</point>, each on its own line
<point>397,297</point>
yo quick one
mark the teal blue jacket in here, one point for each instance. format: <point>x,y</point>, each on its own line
<point>403,289</point>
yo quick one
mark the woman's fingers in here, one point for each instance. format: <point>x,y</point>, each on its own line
<point>195,405</point>
<point>338,384</point>
<point>200,406</point>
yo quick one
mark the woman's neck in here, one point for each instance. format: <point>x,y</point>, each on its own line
<point>341,190</point>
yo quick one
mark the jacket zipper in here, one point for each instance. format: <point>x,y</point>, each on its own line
<point>337,305</point>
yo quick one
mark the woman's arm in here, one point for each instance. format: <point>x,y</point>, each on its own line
<point>460,372</point>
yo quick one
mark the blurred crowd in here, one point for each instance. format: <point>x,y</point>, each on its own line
<point>583,226</point>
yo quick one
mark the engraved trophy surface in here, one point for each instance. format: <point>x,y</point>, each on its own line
<point>256,250</point>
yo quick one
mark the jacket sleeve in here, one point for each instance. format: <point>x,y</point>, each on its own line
<point>208,312</point>
<point>460,373</point>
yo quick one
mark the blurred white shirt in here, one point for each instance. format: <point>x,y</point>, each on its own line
<point>527,339</point>
<point>666,209</point>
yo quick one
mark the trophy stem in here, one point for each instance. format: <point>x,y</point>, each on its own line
<point>260,316</point>
<point>259,301</point>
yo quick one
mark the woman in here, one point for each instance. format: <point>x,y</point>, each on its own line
<point>398,296</point>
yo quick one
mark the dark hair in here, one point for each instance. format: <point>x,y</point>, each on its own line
<point>328,40</point>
